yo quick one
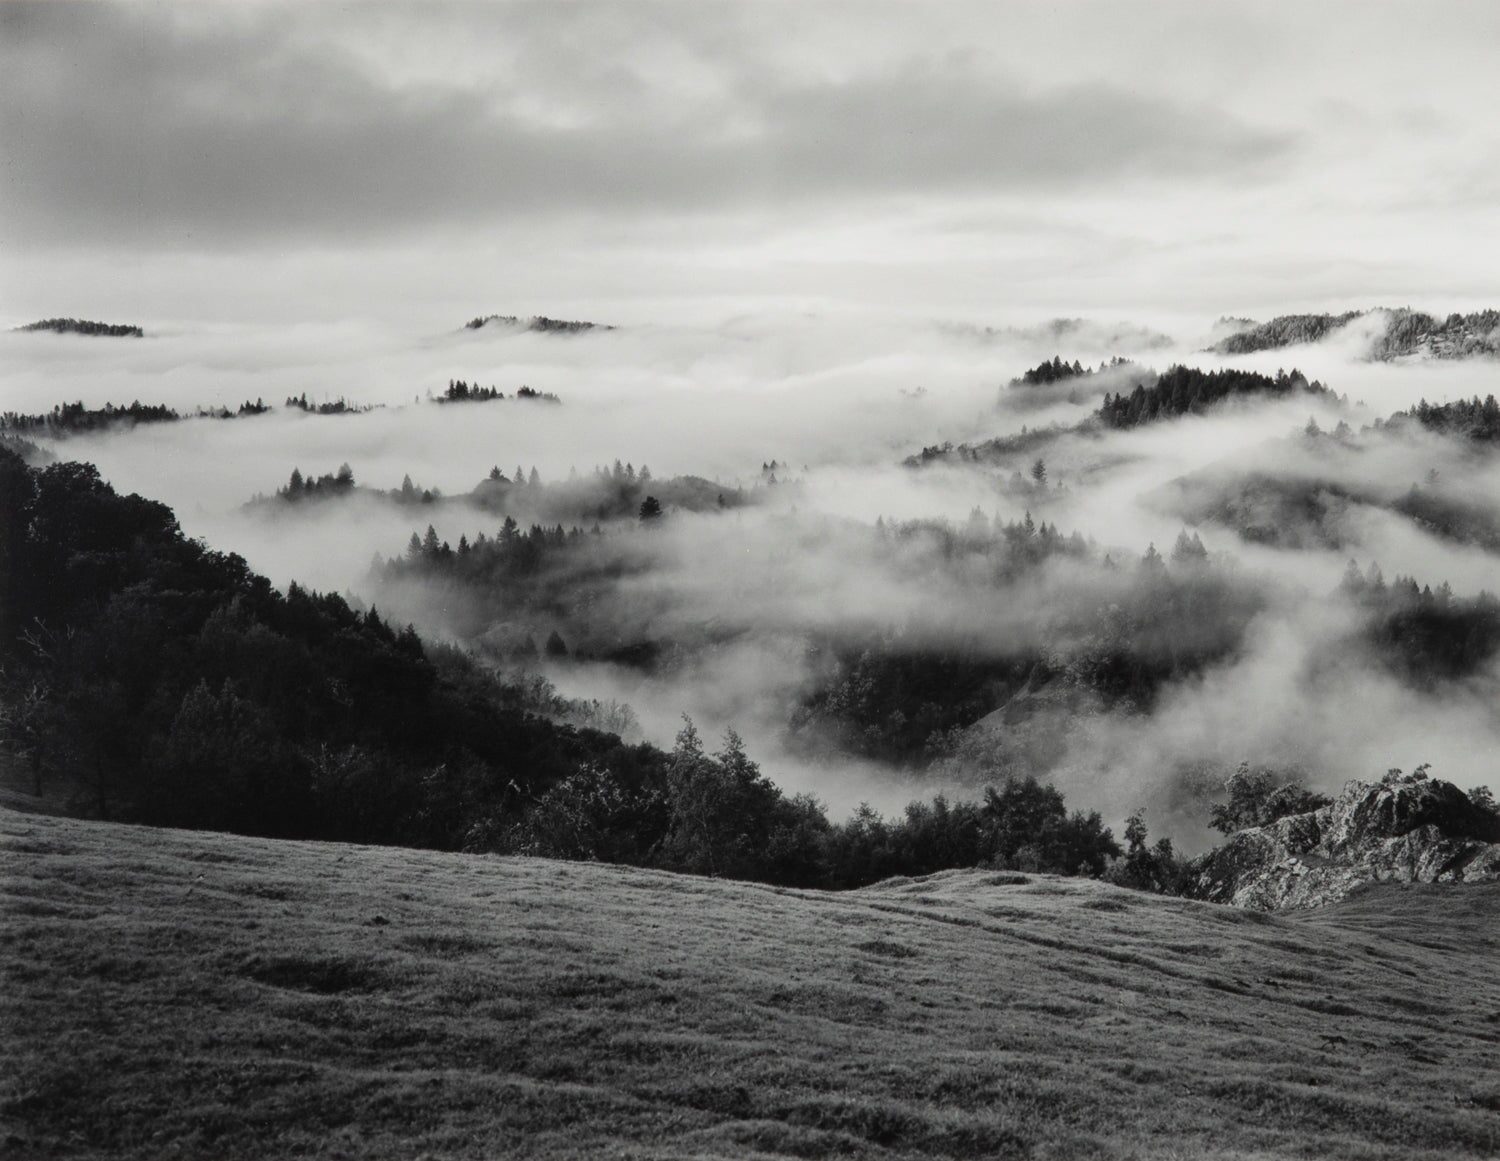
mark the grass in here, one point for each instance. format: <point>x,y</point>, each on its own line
<point>174,994</point>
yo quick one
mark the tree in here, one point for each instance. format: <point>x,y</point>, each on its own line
<point>650,510</point>
<point>1147,868</point>
<point>1259,797</point>
<point>533,479</point>
<point>1188,549</point>
<point>555,646</point>
<point>1039,471</point>
<point>25,724</point>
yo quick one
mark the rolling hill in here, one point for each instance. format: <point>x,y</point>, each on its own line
<point>177,993</point>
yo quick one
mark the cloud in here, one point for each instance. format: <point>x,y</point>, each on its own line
<point>126,125</point>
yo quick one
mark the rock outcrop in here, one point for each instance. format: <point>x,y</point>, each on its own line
<point>1407,830</point>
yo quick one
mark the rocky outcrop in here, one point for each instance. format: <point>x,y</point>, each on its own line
<point>1406,830</point>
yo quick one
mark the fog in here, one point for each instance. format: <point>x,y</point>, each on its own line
<point>838,401</point>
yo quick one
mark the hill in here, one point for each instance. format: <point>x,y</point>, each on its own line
<point>173,993</point>
<point>1394,334</point>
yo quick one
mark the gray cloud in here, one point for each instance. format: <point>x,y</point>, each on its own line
<point>128,125</point>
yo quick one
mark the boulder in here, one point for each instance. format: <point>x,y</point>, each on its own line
<point>1402,829</point>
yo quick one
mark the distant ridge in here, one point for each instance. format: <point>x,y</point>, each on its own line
<point>75,326</point>
<point>1406,333</point>
<point>539,322</point>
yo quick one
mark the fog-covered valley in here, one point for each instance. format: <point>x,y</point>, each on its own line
<point>805,529</point>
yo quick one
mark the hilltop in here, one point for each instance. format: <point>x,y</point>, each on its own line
<point>180,993</point>
<point>1393,334</point>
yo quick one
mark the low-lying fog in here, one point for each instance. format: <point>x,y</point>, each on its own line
<point>838,402</point>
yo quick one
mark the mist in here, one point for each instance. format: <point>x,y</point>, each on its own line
<point>836,402</point>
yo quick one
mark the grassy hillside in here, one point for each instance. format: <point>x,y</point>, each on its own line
<point>179,994</point>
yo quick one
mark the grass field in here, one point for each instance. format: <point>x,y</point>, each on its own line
<point>176,994</point>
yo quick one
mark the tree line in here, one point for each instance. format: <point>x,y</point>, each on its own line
<point>72,418</point>
<point>75,326</point>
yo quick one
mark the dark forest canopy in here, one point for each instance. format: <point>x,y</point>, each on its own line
<point>74,326</point>
<point>1119,632</point>
<point>1473,419</point>
<point>540,323</point>
<point>1189,391</point>
<point>461,391</point>
<point>1058,370</point>
<point>339,406</point>
<point>168,684</point>
<point>1405,332</point>
<point>73,418</point>
<point>1177,392</point>
<point>1284,331</point>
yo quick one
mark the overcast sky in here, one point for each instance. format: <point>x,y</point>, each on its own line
<point>427,161</point>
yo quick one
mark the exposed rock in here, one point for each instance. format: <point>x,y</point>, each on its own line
<point>1407,830</point>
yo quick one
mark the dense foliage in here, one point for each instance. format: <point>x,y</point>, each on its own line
<point>1053,371</point>
<point>1187,390</point>
<point>339,483</point>
<point>1284,331</point>
<point>72,418</point>
<point>1470,418</point>
<point>539,323</point>
<point>178,687</point>
<point>1177,392</point>
<point>1427,636</point>
<point>462,391</point>
<point>1405,332</point>
<point>1259,796</point>
<point>75,326</point>
<point>174,686</point>
<point>339,406</point>
<point>900,697</point>
<point>1059,370</point>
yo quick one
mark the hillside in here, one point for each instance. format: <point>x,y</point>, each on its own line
<point>174,993</point>
<point>1395,334</point>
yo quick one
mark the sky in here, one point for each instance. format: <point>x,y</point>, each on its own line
<point>415,164</point>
